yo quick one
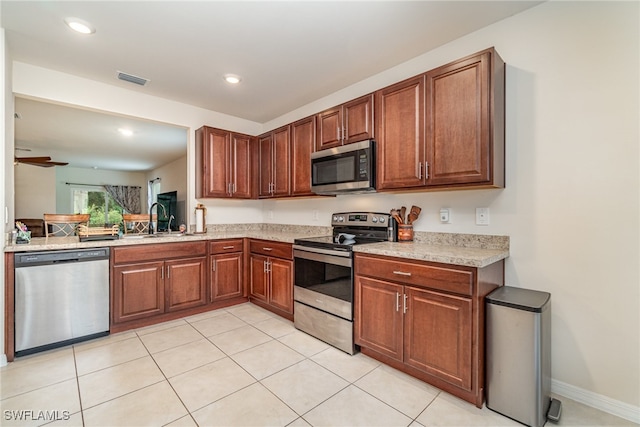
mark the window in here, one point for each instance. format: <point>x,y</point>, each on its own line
<point>153,191</point>
<point>104,210</point>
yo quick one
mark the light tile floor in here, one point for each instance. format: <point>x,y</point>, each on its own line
<point>237,366</point>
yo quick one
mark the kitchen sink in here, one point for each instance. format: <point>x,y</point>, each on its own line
<point>156,235</point>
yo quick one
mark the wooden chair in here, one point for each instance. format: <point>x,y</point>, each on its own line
<point>137,223</point>
<point>63,224</point>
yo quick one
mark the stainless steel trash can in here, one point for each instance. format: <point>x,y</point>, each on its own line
<point>518,359</point>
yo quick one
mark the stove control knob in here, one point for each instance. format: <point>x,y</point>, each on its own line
<point>381,219</point>
<point>374,219</point>
<point>340,219</point>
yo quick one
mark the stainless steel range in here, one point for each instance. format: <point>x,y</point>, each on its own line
<point>323,286</point>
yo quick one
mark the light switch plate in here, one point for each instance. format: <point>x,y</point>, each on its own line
<point>482,216</point>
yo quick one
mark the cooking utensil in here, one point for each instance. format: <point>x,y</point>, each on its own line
<point>413,214</point>
<point>403,213</point>
<point>396,215</point>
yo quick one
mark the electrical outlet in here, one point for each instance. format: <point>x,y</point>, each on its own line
<point>482,216</point>
<point>445,215</point>
<point>316,215</point>
<point>270,214</point>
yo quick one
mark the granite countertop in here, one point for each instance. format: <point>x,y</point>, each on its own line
<point>449,248</point>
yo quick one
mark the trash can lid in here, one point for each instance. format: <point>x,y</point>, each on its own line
<point>523,299</point>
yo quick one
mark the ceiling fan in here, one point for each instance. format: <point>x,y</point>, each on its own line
<point>42,161</point>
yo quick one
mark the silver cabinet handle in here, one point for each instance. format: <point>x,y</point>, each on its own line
<point>397,301</point>
<point>213,265</point>
<point>419,170</point>
<point>162,273</point>
<point>267,249</point>
<point>168,274</point>
<point>338,134</point>
<point>264,266</point>
<point>404,308</point>
<point>344,135</point>
<point>426,170</point>
<point>228,247</point>
<point>402,273</point>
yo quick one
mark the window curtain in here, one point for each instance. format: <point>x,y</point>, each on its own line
<point>126,196</point>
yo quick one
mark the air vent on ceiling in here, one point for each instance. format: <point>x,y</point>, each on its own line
<point>132,79</point>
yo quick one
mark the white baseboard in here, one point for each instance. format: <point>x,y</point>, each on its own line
<point>598,401</point>
<point>3,360</point>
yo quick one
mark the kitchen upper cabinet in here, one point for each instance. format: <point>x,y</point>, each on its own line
<point>346,123</point>
<point>400,134</point>
<point>426,319</point>
<point>465,121</point>
<point>274,163</point>
<point>303,141</point>
<point>444,128</point>
<point>223,164</point>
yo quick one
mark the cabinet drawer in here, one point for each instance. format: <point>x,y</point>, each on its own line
<point>269,248</point>
<point>225,246</point>
<point>450,279</point>
<point>158,251</point>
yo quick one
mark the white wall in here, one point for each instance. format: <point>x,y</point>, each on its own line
<point>571,205</point>
<point>173,177</point>
<point>35,191</point>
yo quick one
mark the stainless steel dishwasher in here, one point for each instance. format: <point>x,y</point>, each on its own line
<point>61,297</point>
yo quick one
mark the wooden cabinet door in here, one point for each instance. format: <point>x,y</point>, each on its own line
<point>281,284</point>
<point>138,291</point>
<point>437,335</point>
<point>258,287</point>
<point>226,276</point>
<point>378,316</point>
<point>241,173</point>
<point>215,158</point>
<point>185,283</point>
<point>400,134</point>
<point>265,150</point>
<point>303,140</point>
<point>358,120</point>
<point>458,118</point>
<point>329,129</point>
<point>281,162</point>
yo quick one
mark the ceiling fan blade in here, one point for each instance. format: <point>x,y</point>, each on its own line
<point>44,162</point>
<point>43,159</point>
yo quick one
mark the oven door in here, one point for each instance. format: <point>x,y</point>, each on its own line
<point>324,280</point>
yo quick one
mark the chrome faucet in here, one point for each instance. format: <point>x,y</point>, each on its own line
<point>164,212</point>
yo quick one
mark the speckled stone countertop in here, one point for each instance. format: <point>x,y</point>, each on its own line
<point>450,248</point>
<point>472,250</point>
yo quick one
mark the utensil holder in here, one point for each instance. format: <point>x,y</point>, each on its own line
<point>405,233</point>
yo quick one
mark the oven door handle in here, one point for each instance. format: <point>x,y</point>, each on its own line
<point>322,255</point>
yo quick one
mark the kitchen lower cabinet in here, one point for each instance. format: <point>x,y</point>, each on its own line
<point>426,319</point>
<point>271,277</point>
<point>227,269</point>
<point>150,280</point>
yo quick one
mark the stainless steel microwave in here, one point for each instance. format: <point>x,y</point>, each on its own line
<point>347,169</point>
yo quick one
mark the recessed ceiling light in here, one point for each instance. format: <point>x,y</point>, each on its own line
<point>232,78</point>
<point>80,25</point>
<point>125,132</point>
